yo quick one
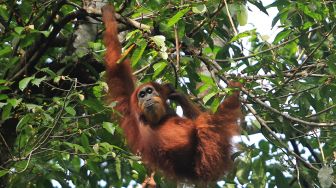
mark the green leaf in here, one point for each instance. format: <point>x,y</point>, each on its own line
<point>243,169</point>
<point>5,51</point>
<point>75,163</point>
<point>110,127</point>
<point>177,17</point>
<point>6,112</point>
<point>23,121</point>
<point>85,143</point>
<point>3,172</point>
<point>243,35</point>
<point>4,12</point>
<point>106,146</point>
<point>2,104</point>
<point>264,146</point>
<point>33,107</point>
<point>3,97</point>
<point>21,165</point>
<point>118,167</point>
<point>199,9</point>
<point>24,82</point>
<point>48,71</point>
<point>310,12</point>
<point>281,36</point>
<point>137,54</point>
<point>45,33</point>
<point>70,110</point>
<point>99,90</point>
<point>96,148</point>
<point>37,81</point>
<point>260,5</point>
<point>331,61</point>
<point>242,15</point>
<point>76,147</point>
<point>159,40</point>
<point>2,88</point>
<point>14,102</point>
<point>18,29</point>
<point>57,79</point>
<point>209,96</point>
<point>280,179</point>
<point>158,68</point>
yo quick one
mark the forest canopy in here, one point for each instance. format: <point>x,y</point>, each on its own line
<point>56,128</point>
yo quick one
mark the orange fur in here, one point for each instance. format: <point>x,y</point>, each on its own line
<point>197,147</point>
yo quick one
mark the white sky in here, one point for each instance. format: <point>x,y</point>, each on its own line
<point>262,22</point>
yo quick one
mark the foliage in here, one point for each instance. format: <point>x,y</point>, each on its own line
<point>55,125</point>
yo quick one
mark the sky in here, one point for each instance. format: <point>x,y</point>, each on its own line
<point>262,22</point>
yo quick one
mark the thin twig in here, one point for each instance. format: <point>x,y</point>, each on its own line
<point>310,55</point>
<point>200,25</point>
<point>263,124</point>
<point>322,111</point>
<point>177,46</point>
<point>230,18</point>
<point>267,50</point>
<point>320,148</point>
<point>28,161</point>
<point>34,53</point>
<point>47,133</point>
<point>7,147</point>
<point>314,124</point>
<point>260,102</point>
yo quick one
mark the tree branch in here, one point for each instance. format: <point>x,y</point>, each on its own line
<point>267,50</point>
<point>283,145</point>
<point>33,54</point>
<point>260,102</point>
<point>200,25</point>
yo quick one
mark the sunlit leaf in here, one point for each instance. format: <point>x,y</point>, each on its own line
<point>138,52</point>
<point>158,68</point>
<point>243,35</point>
<point>110,127</point>
<point>3,172</point>
<point>5,51</point>
<point>14,102</point>
<point>24,82</point>
<point>199,9</point>
<point>70,110</point>
<point>37,81</point>
<point>281,36</point>
<point>19,29</point>
<point>177,17</point>
<point>242,15</point>
<point>208,97</point>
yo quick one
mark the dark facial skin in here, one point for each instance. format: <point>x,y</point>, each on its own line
<point>146,96</point>
<point>151,104</point>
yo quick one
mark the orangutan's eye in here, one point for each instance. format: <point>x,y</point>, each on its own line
<point>149,90</point>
